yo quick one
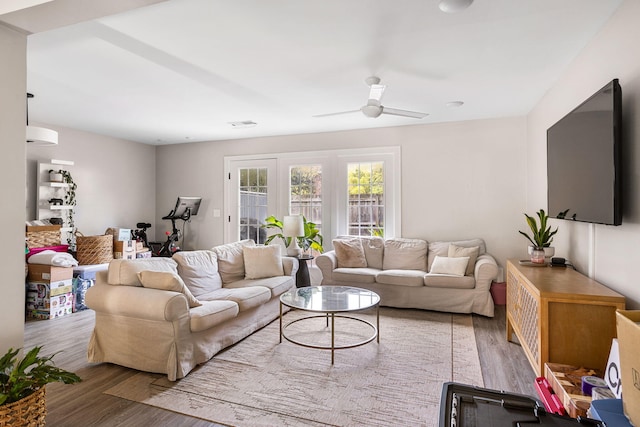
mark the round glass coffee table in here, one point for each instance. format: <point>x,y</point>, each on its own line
<point>331,302</point>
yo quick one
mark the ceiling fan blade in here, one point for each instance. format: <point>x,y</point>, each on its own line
<point>404,113</point>
<point>376,92</point>
<point>336,114</point>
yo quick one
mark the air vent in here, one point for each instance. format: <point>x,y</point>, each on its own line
<point>243,124</point>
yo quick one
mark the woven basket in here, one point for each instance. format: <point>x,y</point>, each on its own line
<point>43,236</point>
<point>94,249</point>
<point>29,411</point>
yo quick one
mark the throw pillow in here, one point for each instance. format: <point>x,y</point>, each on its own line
<point>262,261</point>
<point>460,251</point>
<point>350,253</point>
<point>452,266</point>
<point>167,281</point>
<point>231,260</point>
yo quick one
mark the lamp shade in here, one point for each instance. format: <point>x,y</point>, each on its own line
<point>41,136</point>
<point>293,226</point>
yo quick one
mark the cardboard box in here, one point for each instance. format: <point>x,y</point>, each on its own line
<point>145,253</point>
<point>51,289</point>
<point>121,234</point>
<point>40,305</point>
<point>140,246</point>
<point>48,273</point>
<point>124,249</point>
<point>566,382</point>
<point>628,328</point>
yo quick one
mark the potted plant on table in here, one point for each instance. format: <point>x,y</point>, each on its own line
<point>541,237</point>
<point>22,386</point>
<point>312,238</point>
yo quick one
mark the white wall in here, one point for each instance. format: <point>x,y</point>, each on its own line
<point>13,71</point>
<point>615,259</point>
<point>459,180</point>
<point>115,178</point>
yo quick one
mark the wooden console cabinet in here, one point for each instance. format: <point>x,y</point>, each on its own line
<point>560,316</point>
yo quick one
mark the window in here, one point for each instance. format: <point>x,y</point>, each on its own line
<point>253,203</point>
<point>305,191</point>
<point>365,183</point>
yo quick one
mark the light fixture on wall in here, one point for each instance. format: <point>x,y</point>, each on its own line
<point>454,6</point>
<point>293,226</point>
<point>37,135</point>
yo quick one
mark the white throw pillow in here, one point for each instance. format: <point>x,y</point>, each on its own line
<point>199,271</point>
<point>167,281</point>
<point>350,253</point>
<point>448,265</point>
<point>231,260</point>
<point>262,261</point>
<point>460,251</point>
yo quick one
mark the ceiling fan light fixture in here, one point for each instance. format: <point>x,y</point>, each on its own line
<point>373,109</point>
<point>454,6</point>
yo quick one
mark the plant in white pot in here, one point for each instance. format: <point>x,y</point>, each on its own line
<point>540,238</point>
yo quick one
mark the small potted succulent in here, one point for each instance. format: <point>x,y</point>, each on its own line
<point>22,386</point>
<point>540,238</point>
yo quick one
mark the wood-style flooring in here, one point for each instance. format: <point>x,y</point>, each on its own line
<point>504,367</point>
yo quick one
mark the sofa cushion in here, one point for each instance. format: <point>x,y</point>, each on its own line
<point>405,254</point>
<point>167,281</point>
<point>373,247</point>
<point>199,270</point>
<point>246,298</point>
<point>211,313</point>
<point>355,275</point>
<point>125,271</point>
<point>451,266</point>
<point>231,260</point>
<point>401,277</point>
<point>262,261</point>
<point>447,281</point>
<point>350,253</point>
<point>461,251</point>
<point>277,284</point>
<point>442,248</point>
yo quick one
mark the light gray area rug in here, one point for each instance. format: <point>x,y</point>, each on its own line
<point>260,382</point>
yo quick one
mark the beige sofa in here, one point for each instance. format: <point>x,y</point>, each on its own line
<point>167,315</point>
<point>412,273</point>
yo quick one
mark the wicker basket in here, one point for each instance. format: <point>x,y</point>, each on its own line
<point>94,249</point>
<point>29,411</point>
<point>43,236</point>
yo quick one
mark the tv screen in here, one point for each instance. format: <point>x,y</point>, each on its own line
<point>583,160</point>
<point>183,203</point>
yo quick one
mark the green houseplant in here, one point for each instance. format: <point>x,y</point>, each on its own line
<point>22,382</point>
<point>69,200</point>
<point>312,238</point>
<point>541,234</point>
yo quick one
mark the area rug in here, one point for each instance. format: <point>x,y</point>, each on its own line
<point>261,382</point>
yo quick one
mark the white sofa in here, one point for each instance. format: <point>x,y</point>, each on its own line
<point>167,315</point>
<point>412,273</point>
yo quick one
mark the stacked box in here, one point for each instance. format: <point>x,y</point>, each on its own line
<point>628,328</point>
<point>145,253</point>
<point>124,249</point>
<point>49,291</point>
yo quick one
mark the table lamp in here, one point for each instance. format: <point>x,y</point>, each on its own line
<point>293,226</point>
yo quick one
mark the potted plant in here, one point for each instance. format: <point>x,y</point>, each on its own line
<point>312,238</point>
<point>541,237</point>
<point>22,386</point>
<point>69,200</point>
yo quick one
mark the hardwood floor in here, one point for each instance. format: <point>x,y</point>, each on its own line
<point>504,367</point>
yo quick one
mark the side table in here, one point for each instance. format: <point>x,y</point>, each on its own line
<point>302,276</point>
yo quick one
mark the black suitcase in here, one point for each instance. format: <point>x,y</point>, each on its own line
<point>469,406</point>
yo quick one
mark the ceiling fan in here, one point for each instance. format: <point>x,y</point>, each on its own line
<point>374,108</point>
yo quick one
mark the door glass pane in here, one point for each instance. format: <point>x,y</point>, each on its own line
<point>253,203</point>
<point>366,198</point>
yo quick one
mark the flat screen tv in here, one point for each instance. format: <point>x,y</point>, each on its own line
<point>583,160</point>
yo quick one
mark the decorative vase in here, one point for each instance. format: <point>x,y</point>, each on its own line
<point>549,251</point>
<point>537,256</point>
<point>55,177</point>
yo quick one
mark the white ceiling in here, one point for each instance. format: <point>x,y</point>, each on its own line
<point>181,70</point>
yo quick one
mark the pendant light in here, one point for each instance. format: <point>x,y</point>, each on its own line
<point>37,135</point>
<point>454,6</point>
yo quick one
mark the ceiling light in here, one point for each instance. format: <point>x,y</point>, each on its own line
<point>454,104</point>
<point>37,135</point>
<point>243,124</point>
<point>453,6</point>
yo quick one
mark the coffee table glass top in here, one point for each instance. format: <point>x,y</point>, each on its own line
<point>328,299</point>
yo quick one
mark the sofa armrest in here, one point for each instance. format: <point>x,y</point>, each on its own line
<point>485,271</point>
<point>136,301</point>
<point>291,266</point>
<point>327,262</point>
